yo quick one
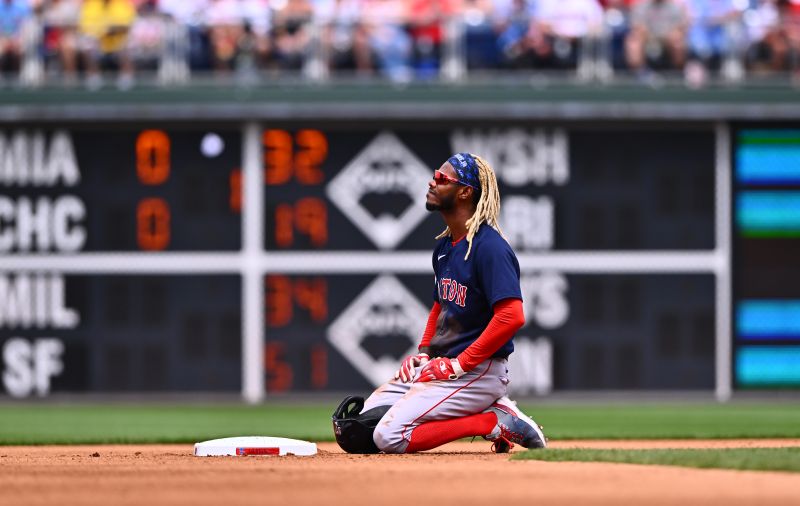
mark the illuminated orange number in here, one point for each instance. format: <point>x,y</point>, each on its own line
<point>152,224</point>
<point>284,225</point>
<point>279,301</point>
<point>277,156</point>
<point>312,151</point>
<point>309,216</point>
<point>279,373</point>
<point>283,292</point>
<point>281,161</point>
<point>152,157</point>
<point>235,196</point>
<point>312,295</point>
<point>319,366</point>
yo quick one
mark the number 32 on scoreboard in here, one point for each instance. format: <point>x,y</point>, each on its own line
<point>300,156</point>
<point>281,160</point>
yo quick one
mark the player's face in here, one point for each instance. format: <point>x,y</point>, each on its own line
<point>442,195</point>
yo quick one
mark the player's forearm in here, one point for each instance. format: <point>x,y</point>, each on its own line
<point>430,328</point>
<point>507,320</point>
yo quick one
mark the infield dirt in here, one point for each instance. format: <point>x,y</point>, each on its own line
<point>458,474</point>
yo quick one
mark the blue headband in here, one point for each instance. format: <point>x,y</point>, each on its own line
<point>467,169</point>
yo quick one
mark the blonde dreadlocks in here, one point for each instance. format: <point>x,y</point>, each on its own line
<point>488,208</point>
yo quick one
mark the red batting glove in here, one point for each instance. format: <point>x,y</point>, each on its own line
<point>441,369</point>
<point>409,365</point>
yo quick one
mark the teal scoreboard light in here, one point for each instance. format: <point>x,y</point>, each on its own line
<point>767,257</point>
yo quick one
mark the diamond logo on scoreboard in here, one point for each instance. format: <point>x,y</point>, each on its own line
<point>384,168</point>
<point>385,308</point>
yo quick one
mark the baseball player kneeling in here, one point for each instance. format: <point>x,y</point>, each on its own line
<point>456,385</point>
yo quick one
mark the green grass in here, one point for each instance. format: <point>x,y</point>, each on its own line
<point>760,459</point>
<point>151,423</point>
<point>693,421</point>
<point>71,424</point>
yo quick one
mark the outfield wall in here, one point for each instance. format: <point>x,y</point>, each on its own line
<point>192,243</point>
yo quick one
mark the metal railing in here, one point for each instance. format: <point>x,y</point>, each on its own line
<point>593,61</point>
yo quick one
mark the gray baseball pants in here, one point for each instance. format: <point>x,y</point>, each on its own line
<point>416,403</point>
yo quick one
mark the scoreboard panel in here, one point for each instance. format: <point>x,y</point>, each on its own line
<point>766,251</point>
<point>114,333</point>
<point>586,332</point>
<point>140,188</point>
<point>115,190</point>
<point>564,188</point>
<point>172,195</point>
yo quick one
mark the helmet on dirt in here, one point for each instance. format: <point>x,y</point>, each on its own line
<point>353,429</point>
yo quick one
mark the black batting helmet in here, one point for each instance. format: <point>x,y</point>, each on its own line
<point>353,429</point>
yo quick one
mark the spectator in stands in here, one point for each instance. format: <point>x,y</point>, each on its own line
<point>344,39</point>
<point>225,21</point>
<point>13,14</point>
<point>385,24</point>
<point>519,42</point>
<point>567,26</point>
<point>657,36</point>
<point>255,45</point>
<point>400,38</point>
<point>146,39</point>
<point>61,35</point>
<point>292,33</point>
<point>711,35</point>
<point>479,34</point>
<point>191,15</point>
<point>773,29</point>
<point>104,27</point>
<point>768,48</point>
<point>790,31</point>
<point>617,19</point>
<point>427,30</point>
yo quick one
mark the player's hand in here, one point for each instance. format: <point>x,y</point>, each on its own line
<point>408,367</point>
<point>441,369</point>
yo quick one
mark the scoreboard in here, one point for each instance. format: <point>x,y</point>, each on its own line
<point>119,189</point>
<point>601,218</point>
<point>103,192</point>
<point>136,257</point>
<point>767,246</point>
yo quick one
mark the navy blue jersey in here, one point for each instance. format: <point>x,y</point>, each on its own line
<point>467,290</point>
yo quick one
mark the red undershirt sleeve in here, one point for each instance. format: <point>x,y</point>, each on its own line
<point>507,320</point>
<point>430,327</point>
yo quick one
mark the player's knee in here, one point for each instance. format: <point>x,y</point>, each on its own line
<point>388,439</point>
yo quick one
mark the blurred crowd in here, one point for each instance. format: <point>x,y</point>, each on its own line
<point>84,40</point>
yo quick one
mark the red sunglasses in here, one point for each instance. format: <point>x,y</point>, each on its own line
<point>440,178</point>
